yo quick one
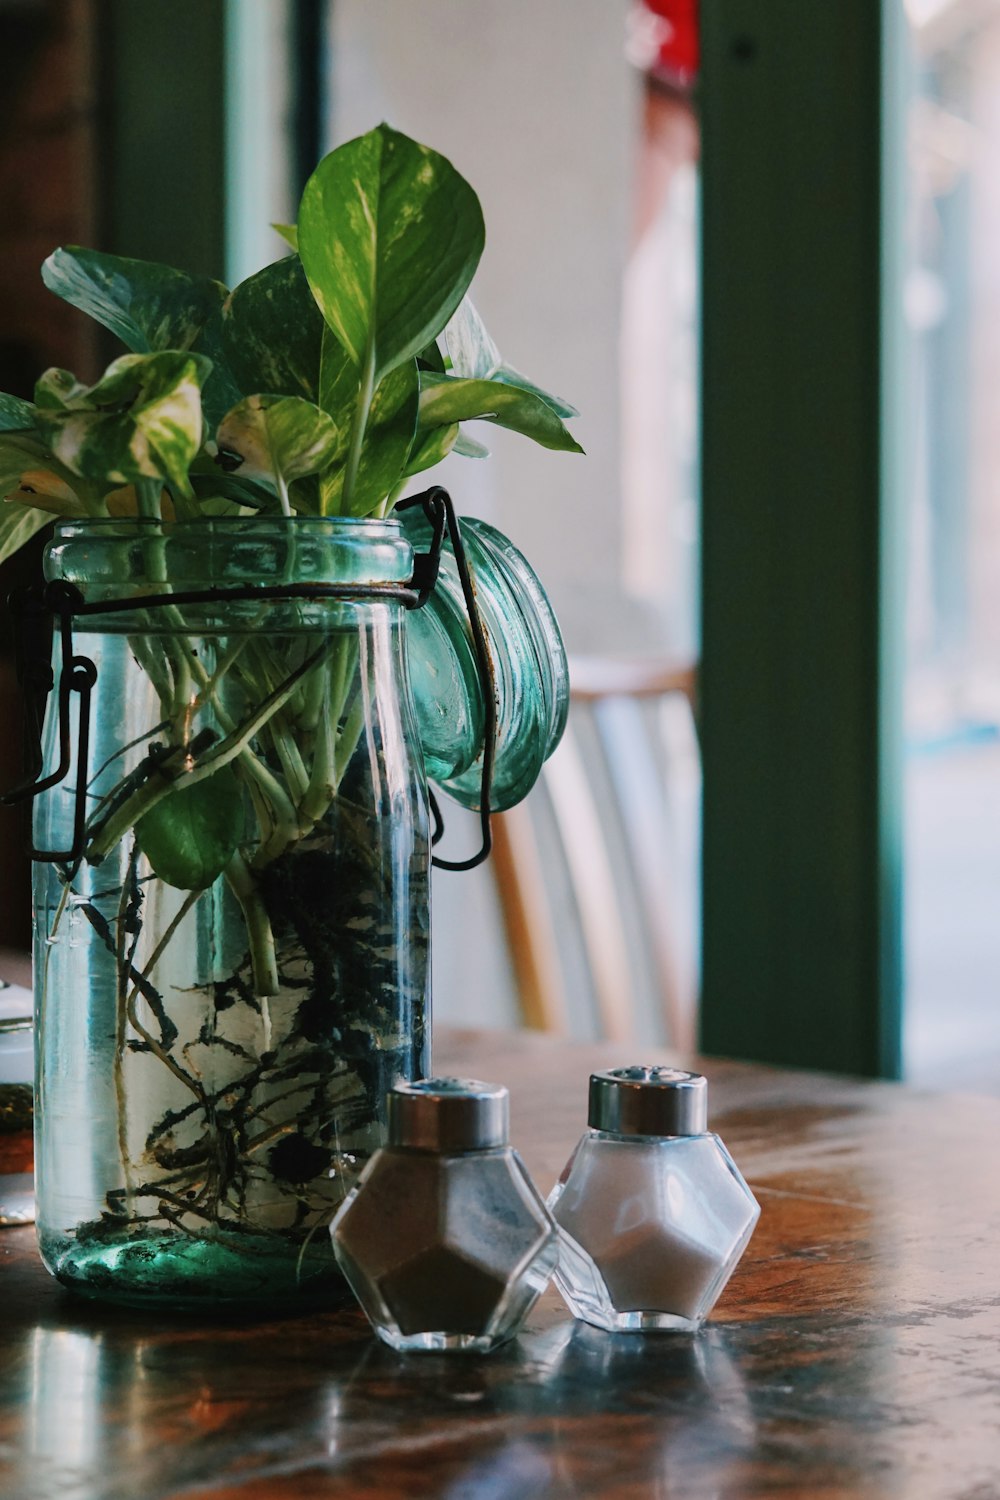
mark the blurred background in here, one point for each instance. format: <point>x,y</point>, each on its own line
<point>594,131</point>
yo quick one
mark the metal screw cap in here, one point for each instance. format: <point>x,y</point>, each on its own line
<point>448,1114</point>
<point>648,1101</point>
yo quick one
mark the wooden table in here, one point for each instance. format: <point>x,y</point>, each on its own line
<point>855,1353</point>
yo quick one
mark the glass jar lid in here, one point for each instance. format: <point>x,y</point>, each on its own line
<point>648,1101</point>
<point>448,1114</point>
<point>530,673</point>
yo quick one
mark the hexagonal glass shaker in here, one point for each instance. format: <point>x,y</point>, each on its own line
<point>445,1241</point>
<point>652,1211</point>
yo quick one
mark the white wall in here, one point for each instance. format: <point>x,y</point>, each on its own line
<point>533,102</point>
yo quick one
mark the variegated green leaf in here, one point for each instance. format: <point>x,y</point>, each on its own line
<point>431,358</point>
<point>59,390</point>
<point>20,451</point>
<point>43,490</point>
<point>508,375</point>
<point>209,478</point>
<point>288,233</point>
<point>222,505</point>
<point>390,235</point>
<point>150,307</point>
<point>278,439</point>
<point>30,476</point>
<point>221,390</point>
<point>445,399</point>
<point>191,835</point>
<point>16,415</point>
<point>475,356</point>
<point>470,447</point>
<point>388,438</point>
<point>272,332</point>
<point>431,448</point>
<point>142,420</point>
<point>471,352</point>
<point>17,526</point>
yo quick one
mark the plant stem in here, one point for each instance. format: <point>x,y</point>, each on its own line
<point>263,960</point>
<point>147,499</point>
<point>158,951</point>
<point>158,787</point>
<point>366,389</point>
<point>322,783</point>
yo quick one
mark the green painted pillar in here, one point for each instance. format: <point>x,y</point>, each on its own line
<point>801,555</point>
<point>165,102</point>
<point>207,106</point>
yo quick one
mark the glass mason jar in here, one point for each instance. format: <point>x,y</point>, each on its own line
<point>236,970</point>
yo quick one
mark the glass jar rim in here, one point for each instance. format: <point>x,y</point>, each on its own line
<point>124,525</point>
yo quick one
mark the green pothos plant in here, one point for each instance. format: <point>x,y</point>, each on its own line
<point>319,387</point>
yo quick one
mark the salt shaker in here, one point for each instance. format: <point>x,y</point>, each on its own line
<point>652,1210</point>
<point>445,1241</point>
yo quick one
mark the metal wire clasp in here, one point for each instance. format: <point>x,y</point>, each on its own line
<point>77,675</point>
<point>439,509</point>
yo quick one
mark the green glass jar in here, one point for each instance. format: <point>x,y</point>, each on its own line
<point>235,973</point>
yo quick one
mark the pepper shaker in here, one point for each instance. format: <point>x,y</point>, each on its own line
<point>652,1210</point>
<point>445,1241</point>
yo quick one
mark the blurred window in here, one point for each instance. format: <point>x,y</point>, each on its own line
<point>952,308</point>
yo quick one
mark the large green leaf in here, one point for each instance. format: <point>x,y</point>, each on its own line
<point>431,448</point>
<point>190,836</point>
<point>20,451</point>
<point>445,399</point>
<point>390,236</point>
<point>431,358</point>
<point>209,478</point>
<point>30,476</point>
<point>16,415</point>
<point>142,420</point>
<point>272,332</point>
<point>475,356</point>
<point>471,351</point>
<point>150,307</point>
<point>470,447</point>
<point>392,421</point>
<point>220,391</point>
<point>17,526</point>
<point>58,390</point>
<point>278,438</point>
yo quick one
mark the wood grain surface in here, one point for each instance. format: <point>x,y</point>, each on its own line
<point>856,1352</point>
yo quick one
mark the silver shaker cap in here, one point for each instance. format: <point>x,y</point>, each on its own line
<point>648,1101</point>
<point>448,1114</point>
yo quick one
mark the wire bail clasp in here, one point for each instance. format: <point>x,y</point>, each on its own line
<point>439,509</point>
<point>77,676</point>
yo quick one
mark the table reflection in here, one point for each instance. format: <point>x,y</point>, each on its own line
<point>690,1385</point>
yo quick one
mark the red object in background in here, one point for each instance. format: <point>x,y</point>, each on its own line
<point>663,40</point>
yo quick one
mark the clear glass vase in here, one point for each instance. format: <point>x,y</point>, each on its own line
<point>236,970</point>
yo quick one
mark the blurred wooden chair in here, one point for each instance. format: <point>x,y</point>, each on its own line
<point>583,867</point>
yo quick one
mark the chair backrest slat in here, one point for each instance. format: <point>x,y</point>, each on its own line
<point>584,867</point>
